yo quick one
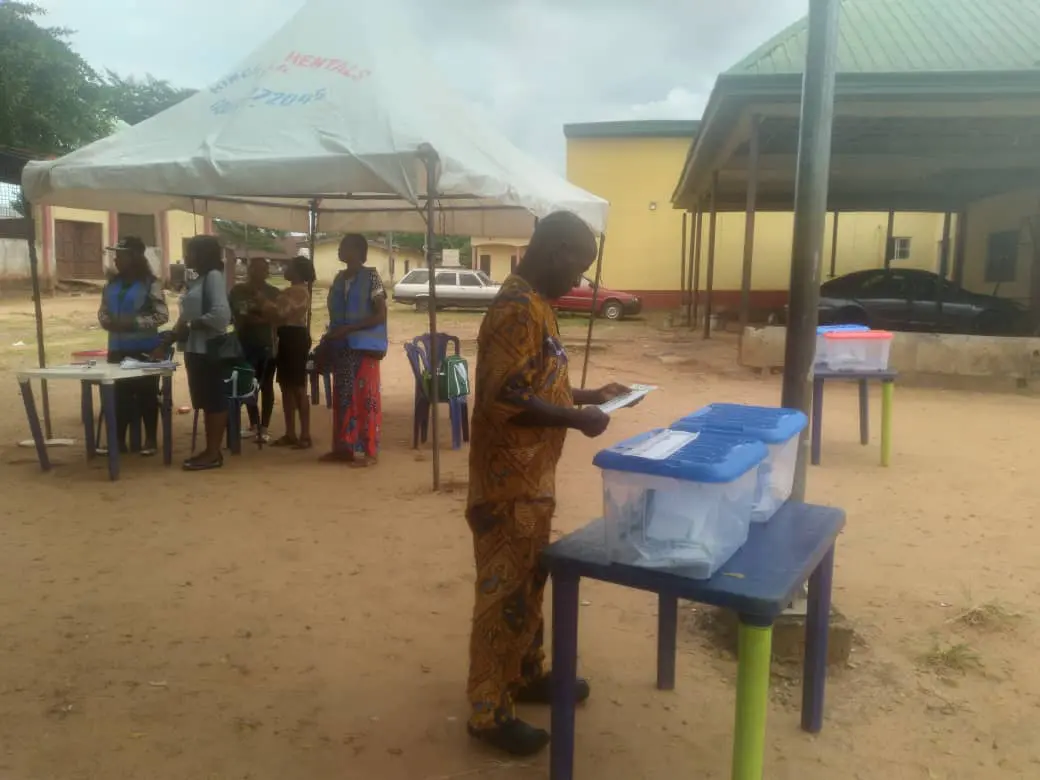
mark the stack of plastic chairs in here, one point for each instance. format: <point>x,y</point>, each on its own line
<point>418,352</point>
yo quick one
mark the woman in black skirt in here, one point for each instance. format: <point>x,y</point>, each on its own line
<point>289,311</point>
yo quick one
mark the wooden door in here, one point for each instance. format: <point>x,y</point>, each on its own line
<point>78,249</point>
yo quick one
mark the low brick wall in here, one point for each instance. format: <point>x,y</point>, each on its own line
<point>966,362</point>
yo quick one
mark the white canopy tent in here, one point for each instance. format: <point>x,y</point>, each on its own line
<point>327,125</point>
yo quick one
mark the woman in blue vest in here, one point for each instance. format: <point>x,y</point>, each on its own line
<point>133,308</point>
<point>353,345</point>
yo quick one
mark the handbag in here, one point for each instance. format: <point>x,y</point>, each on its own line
<point>223,347</point>
<point>452,379</point>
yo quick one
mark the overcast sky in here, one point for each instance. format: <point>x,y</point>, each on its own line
<point>533,64</point>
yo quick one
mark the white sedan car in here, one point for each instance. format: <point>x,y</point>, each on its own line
<point>459,288</point>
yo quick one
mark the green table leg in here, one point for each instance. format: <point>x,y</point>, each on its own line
<point>887,391</point>
<point>749,734</point>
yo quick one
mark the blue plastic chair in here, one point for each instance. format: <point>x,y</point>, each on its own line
<point>458,408</point>
<point>443,340</point>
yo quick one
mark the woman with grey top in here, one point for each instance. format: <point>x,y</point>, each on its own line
<point>205,315</point>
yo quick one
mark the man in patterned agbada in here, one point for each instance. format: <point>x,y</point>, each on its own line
<point>523,407</point>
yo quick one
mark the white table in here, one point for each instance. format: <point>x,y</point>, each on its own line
<point>104,375</point>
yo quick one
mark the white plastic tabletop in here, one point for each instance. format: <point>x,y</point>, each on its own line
<point>105,373</point>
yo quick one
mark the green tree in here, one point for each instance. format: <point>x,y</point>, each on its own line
<point>50,99</point>
<point>135,100</point>
<point>417,241</point>
<point>242,236</point>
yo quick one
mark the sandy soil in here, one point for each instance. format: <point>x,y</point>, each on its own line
<point>283,619</point>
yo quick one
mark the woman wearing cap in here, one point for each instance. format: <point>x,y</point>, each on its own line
<point>133,308</point>
<point>205,316</point>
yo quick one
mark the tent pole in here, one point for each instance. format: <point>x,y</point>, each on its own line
<point>41,352</point>
<point>592,314</point>
<point>431,195</point>
<point>810,213</point>
<point>312,234</point>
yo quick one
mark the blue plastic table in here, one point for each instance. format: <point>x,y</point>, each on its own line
<point>888,383</point>
<point>758,583</point>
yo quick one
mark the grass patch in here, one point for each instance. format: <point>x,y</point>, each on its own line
<point>991,616</point>
<point>946,660</point>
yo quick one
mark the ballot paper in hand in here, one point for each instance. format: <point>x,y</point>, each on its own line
<point>635,393</point>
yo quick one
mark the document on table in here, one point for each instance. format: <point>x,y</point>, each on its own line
<point>636,392</point>
<point>130,363</point>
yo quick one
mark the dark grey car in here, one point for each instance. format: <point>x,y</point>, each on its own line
<point>915,300</point>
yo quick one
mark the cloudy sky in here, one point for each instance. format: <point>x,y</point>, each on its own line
<point>533,64</point>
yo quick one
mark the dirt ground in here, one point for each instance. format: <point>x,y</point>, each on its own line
<point>285,619</point>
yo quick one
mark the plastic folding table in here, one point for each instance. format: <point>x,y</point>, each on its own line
<point>104,375</point>
<point>758,583</point>
<point>863,378</point>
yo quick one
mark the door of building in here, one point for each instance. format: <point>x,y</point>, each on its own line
<point>78,249</point>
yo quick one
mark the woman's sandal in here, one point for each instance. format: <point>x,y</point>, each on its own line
<point>285,441</point>
<point>191,464</point>
<point>303,444</point>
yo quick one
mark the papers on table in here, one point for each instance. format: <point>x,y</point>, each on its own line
<point>130,363</point>
<point>635,393</point>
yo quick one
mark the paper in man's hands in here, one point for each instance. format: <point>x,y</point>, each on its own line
<point>635,393</point>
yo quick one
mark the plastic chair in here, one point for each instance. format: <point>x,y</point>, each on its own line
<point>236,400</point>
<point>458,408</point>
<point>312,376</point>
<point>443,340</point>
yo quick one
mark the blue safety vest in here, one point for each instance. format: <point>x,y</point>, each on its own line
<point>354,305</point>
<point>127,300</point>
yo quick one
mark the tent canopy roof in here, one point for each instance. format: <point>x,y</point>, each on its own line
<point>323,113</point>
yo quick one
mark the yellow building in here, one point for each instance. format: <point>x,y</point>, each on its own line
<point>72,242</point>
<point>633,165</point>
<point>392,266</point>
<point>497,256</point>
<point>1006,226</point>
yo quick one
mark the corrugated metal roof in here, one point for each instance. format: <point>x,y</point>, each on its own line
<point>639,128</point>
<point>906,36</point>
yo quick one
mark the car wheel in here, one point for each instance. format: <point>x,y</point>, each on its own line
<point>988,324</point>
<point>612,310</point>
<point>422,305</point>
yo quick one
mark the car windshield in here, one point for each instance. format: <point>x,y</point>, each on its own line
<point>416,277</point>
<point>484,278</point>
